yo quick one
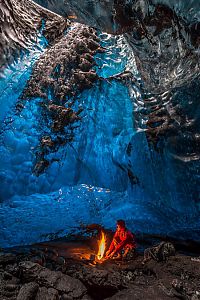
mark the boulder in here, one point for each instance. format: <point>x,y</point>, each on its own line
<point>48,278</point>
<point>52,279</point>
<point>71,286</point>
<point>28,291</point>
<point>98,278</point>
<point>29,270</point>
<point>47,294</point>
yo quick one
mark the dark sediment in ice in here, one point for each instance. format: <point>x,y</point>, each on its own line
<point>61,73</point>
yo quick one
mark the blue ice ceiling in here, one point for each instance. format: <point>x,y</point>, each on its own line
<point>83,140</point>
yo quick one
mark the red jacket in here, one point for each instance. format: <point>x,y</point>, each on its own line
<point>121,239</point>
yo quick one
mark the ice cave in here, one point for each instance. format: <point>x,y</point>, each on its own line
<point>100,117</point>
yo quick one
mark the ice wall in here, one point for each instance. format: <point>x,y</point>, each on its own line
<point>133,154</point>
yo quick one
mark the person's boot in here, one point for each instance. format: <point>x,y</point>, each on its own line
<point>129,254</point>
<point>118,256</point>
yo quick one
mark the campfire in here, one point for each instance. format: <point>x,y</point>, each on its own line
<point>101,246</point>
<point>89,253</point>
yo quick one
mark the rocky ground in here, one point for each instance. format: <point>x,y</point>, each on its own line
<point>68,271</point>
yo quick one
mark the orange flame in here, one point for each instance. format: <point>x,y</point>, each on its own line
<point>102,246</point>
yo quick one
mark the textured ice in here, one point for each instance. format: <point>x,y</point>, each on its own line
<point>134,153</point>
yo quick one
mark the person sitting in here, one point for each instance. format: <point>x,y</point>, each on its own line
<point>123,240</point>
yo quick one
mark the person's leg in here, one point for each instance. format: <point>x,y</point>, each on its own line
<point>117,255</point>
<point>126,251</point>
<point>129,251</point>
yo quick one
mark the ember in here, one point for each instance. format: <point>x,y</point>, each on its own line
<point>102,246</point>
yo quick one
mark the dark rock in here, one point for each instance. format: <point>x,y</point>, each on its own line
<point>53,294</point>
<point>66,297</point>
<point>37,259</point>
<point>115,280</point>
<point>7,276</point>
<point>138,293</point>
<point>99,279</point>
<point>29,270</point>
<point>47,294</point>
<point>160,252</point>
<point>128,276</point>
<point>6,259</point>
<point>49,266</point>
<point>73,287</point>
<point>11,295</point>
<point>48,278</point>
<point>51,279</point>
<point>178,277</point>
<point>86,297</point>
<point>60,260</point>
<point>13,269</point>
<point>11,287</point>
<point>28,291</point>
